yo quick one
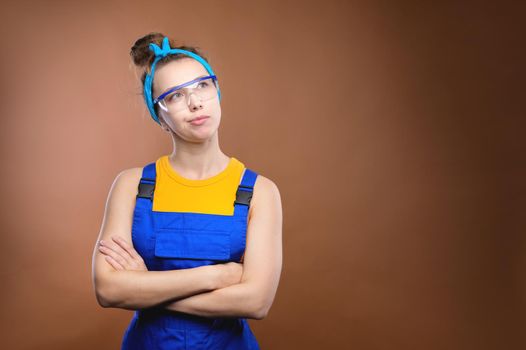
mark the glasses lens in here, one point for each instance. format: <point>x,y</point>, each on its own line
<point>177,100</point>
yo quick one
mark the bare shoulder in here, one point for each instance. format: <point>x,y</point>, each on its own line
<point>128,178</point>
<point>124,186</point>
<point>266,185</point>
<point>266,194</point>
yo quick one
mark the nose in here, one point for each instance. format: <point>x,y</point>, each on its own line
<point>195,102</point>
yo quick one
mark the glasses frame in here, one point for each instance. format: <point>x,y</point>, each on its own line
<point>170,90</point>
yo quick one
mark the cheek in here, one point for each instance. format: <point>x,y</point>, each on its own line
<point>214,106</point>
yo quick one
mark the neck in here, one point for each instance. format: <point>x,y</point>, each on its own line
<point>198,160</point>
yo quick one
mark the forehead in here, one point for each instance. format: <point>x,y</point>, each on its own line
<point>177,72</point>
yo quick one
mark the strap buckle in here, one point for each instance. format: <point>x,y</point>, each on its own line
<point>243,197</point>
<point>146,189</point>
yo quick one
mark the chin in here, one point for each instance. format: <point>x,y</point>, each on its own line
<point>201,135</point>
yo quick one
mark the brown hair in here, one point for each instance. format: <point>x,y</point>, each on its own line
<point>143,57</point>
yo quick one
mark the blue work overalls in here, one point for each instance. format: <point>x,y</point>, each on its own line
<point>181,240</point>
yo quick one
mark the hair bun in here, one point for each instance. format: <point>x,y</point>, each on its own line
<point>140,52</point>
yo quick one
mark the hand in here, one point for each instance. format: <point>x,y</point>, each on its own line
<point>231,273</point>
<point>121,255</point>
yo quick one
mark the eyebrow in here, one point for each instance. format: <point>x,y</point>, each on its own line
<point>171,87</point>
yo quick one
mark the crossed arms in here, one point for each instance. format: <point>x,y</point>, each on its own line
<point>246,290</point>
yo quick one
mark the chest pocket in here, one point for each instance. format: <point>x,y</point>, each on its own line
<point>192,244</point>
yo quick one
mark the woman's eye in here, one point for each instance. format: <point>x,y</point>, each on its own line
<point>202,84</point>
<point>174,96</point>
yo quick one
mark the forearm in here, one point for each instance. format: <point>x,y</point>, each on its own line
<point>141,289</point>
<point>237,300</point>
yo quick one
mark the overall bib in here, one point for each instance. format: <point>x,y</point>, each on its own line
<point>181,240</point>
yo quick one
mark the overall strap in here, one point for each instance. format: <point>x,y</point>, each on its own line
<point>245,188</point>
<point>147,183</point>
<point>242,202</point>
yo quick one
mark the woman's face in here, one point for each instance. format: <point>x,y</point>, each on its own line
<point>176,73</point>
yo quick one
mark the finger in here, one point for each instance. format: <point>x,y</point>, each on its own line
<point>122,242</point>
<point>113,263</point>
<point>119,250</point>
<point>134,265</point>
<point>114,255</point>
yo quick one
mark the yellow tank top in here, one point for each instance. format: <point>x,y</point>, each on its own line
<point>215,195</point>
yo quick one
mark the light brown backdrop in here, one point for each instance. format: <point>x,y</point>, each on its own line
<point>394,130</point>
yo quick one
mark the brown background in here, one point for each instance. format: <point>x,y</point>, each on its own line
<point>394,130</point>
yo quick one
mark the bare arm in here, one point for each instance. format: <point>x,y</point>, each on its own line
<point>253,296</point>
<point>136,289</point>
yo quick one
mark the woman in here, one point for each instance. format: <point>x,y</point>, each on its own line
<point>192,241</point>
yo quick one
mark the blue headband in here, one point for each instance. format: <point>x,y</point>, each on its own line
<point>159,54</point>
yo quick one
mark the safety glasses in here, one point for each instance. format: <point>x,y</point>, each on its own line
<point>175,98</point>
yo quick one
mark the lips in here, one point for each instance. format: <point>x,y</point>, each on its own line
<point>199,118</point>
